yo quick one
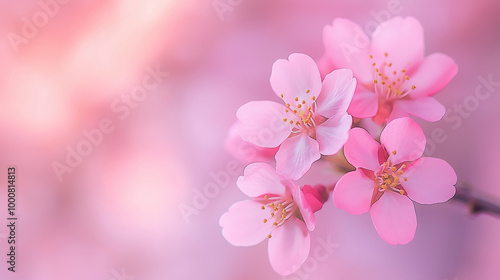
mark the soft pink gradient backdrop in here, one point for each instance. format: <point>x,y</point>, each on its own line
<point>119,209</point>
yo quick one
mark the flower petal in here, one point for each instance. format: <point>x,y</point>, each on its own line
<point>324,66</point>
<point>394,218</point>
<point>430,180</point>
<point>403,41</point>
<point>295,156</point>
<point>296,77</point>
<point>259,179</point>
<point>289,246</point>
<point>426,108</point>
<point>243,224</point>
<point>353,192</point>
<point>364,104</point>
<point>262,123</point>
<point>336,93</point>
<point>315,196</point>
<point>347,46</point>
<point>361,150</point>
<point>333,133</point>
<point>246,152</point>
<point>433,74</point>
<point>405,137</point>
<point>300,200</point>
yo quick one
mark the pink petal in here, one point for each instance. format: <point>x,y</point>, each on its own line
<point>315,196</point>
<point>426,108</point>
<point>336,93</point>
<point>243,224</point>
<point>347,46</point>
<point>364,104</point>
<point>405,137</point>
<point>353,192</point>
<point>430,180</point>
<point>333,133</point>
<point>296,155</point>
<point>295,77</point>
<point>394,218</point>
<point>304,207</point>
<point>259,179</point>
<point>289,246</point>
<point>246,152</point>
<point>324,66</point>
<point>402,39</point>
<point>361,150</point>
<point>433,75</point>
<point>262,123</point>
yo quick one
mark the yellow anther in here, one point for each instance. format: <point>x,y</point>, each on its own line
<point>275,224</point>
<point>394,168</point>
<point>375,81</point>
<point>262,207</point>
<point>288,105</point>
<point>371,56</point>
<point>373,64</point>
<point>406,179</point>
<point>386,54</point>
<point>380,74</point>
<point>394,72</point>
<point>303,102</point>
<point>406,77</point>
<point>281,95</point>
<point>294,111</point>
<point>383,82</point>
<point>284,211</point>
<point>285,119</point>
<point>401,172</point>
<point>296,99</point>
<point>394,152</point>
<point>376,69</point>
<point>390,64</point>
<point>265,221</point>
<point>313,97</point>
<point>291,122</point>
<point>269,236</point>
<point>401,191</point>
<point>272,214</point>
<point>308,91</point>
<point>299,106</point>
<point>413,87</point>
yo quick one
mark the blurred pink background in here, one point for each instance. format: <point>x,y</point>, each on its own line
<point>117,213</point>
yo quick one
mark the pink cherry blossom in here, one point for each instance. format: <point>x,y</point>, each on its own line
<point>388,175</point>
<point>313,119</point>
<point>278,210</point>
<point>247,152</point>
<point>395,80</point>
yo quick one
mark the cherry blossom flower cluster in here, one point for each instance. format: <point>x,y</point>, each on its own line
<point>385,81</point>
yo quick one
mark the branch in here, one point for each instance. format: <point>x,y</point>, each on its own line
<point>478,203</point>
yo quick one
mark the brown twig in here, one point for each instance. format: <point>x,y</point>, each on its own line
<point>478,203</point>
